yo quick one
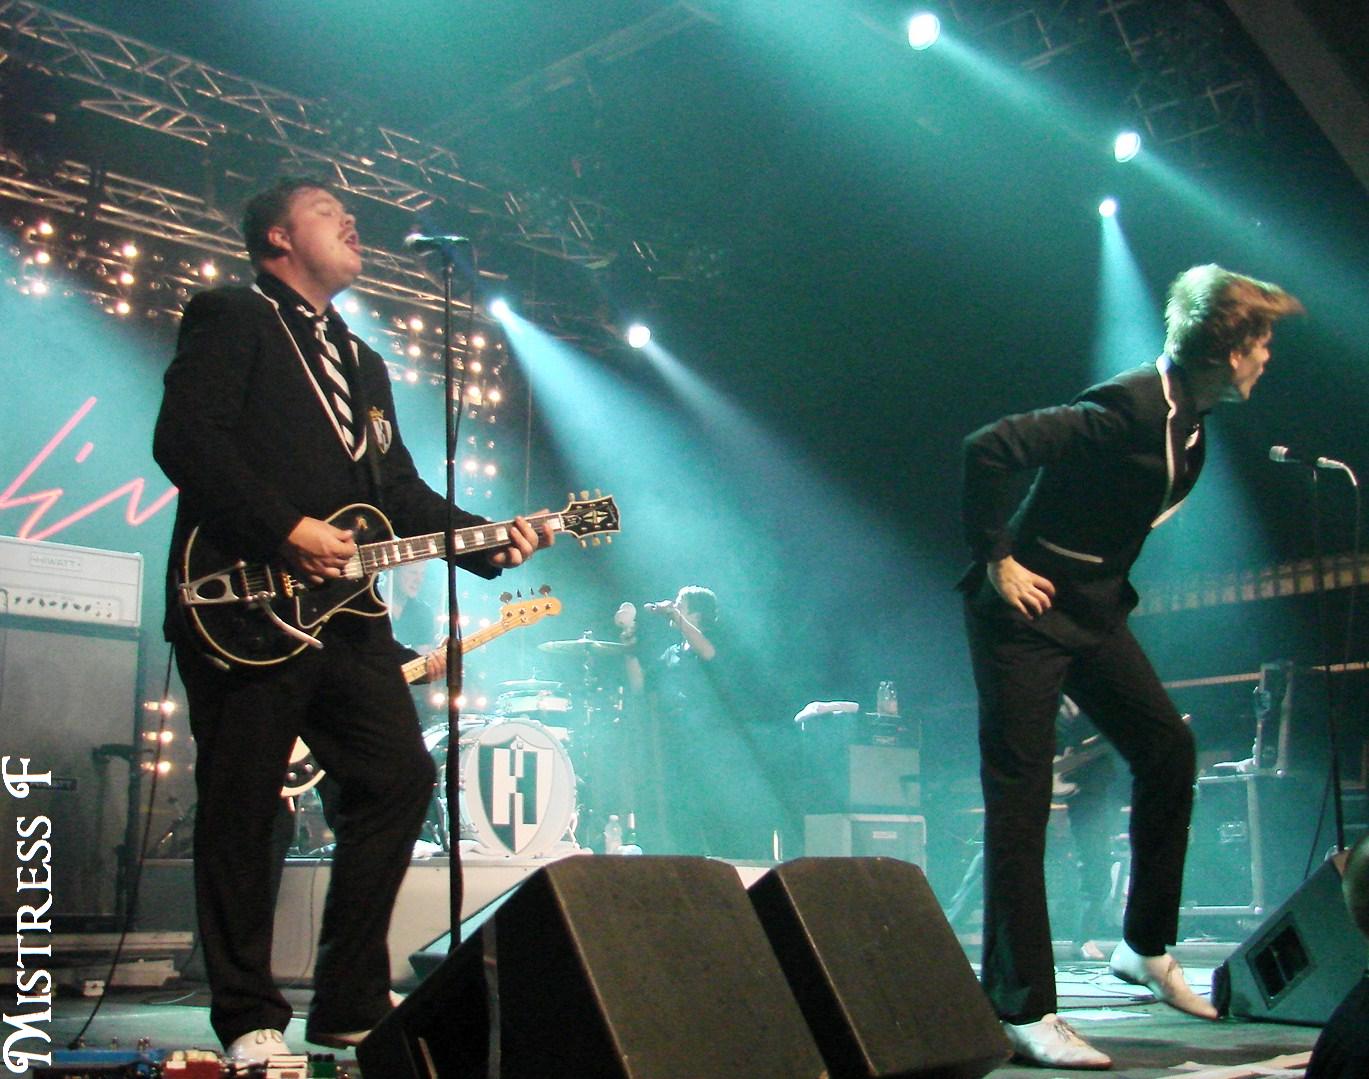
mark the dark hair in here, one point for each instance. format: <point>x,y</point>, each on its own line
<point>269,208</point>
<point>1212,312</point>
<point>703,602</point>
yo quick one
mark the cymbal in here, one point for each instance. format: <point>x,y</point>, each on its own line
<point>582,645</point>
<point>529,685</point>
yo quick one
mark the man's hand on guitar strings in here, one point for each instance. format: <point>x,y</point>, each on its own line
<point>318,549</point>
<point>524,541</point>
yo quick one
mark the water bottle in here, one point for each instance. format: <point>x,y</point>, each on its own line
<point>613,834</point>
<point>630,844</point>
<point>886,699</point>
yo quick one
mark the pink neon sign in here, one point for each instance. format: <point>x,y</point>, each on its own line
<point>44,501</point>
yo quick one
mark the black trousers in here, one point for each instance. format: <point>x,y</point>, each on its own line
<point>350,703</point>
<point>1020,673</point>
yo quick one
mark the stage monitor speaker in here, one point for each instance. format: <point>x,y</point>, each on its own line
<point>68,703</point>
<point>1301,962</point>
<point>606,968</point>
<point>882,980</point>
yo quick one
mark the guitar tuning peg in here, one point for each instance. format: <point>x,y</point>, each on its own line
<point>583,544</point>
<point>570,495</point>
<point>596,541</point>
<point>545,590</point>
<point>598,493</point>
<point>584,495</point>
<point>608,540</point>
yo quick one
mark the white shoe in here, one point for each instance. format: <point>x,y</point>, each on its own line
<point>257,1047</point>
<point>1052,1042</point>
<point>1163,976</point>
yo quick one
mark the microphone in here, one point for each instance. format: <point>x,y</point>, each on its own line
<point>1282,455</point>
<point>420,242</point>
<point>664,605</point>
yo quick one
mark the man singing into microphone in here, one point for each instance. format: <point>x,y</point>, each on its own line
<point>1046,604</point>
<point>274,417</point>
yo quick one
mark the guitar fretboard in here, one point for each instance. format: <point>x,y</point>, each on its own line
<point>371,558</point>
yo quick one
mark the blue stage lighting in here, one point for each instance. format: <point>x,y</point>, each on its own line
<point>499,308</point>
<point>638,335</point>
<point>1126,146</point>
<point>1108,207</point>
<point>923,30</point>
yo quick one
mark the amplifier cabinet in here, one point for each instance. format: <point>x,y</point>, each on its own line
<point>1249,841</point>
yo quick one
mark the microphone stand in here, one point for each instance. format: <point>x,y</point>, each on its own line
<point>454,392</point>
<point>1332,726</point>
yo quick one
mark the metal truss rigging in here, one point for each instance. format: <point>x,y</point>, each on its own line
<point>1183,79</point>
<point>151,88</point>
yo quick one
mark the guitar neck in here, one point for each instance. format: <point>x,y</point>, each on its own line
<point>387,554</point>
<point>417,667</point>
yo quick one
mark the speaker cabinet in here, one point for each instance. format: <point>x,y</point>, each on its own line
<point>67,702</point>
<point>880,976</point>
<point>1299,965</point>
<point>621,968</point>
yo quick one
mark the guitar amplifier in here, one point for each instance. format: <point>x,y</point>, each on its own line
<point>1248,842</point>
<point>63,583</point>
<point>866,835</point>
<point>854,763</point>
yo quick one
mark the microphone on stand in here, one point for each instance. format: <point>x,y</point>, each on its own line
<point>1282,455</point>
<point>419,242</point>
<point>665,606</point>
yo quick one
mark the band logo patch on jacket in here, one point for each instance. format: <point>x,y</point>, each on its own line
<point>382,429</point>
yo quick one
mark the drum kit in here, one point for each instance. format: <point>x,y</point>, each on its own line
<point>519,794</point>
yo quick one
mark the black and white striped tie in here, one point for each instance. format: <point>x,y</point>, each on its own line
<point>339,392</point>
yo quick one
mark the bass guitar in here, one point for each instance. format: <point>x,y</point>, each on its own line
<point>262,613</point>
<point>304,772</point>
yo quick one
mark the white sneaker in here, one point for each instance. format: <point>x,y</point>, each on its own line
<point>1052,1042</point>
<point>1163,976</point>
<point>257,1047</point>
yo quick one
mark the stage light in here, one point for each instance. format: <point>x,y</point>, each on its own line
<point>478,341</point>
<point>129,250</point>
<point>923,30</point>
<point>126,278</point>
<point>410,376</point>
<point>39,288</point>
<point>416,324</point>
<point>476,367</point>
<point>45,228</point>
<point>415,351</point>
<point>209,271</point>
<point>42,258</point>
<point>500,309</point>
<point>470,464</point>
<point>494,396</point>
<point>638,335</point>
<point>1126,146</point>
<point>490,470</point>
<point>1108,207</point>
<point>122,307</point>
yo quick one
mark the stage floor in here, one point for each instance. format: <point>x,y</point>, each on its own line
<point>1145,1039</point>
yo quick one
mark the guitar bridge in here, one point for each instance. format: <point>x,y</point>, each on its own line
<point>227,586</point>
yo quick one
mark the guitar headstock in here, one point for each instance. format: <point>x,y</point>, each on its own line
<point>526,612</point>
<point>590,518</point>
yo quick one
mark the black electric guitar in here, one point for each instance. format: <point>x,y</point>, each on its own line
<point>257,614</point>
<point>304,772</point>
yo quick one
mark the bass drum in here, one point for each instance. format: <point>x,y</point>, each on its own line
<point>516,791</point>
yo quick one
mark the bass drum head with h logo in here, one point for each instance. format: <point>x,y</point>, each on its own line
<point>517,790</point>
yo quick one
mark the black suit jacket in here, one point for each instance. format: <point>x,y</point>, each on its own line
<point>245,435</point>
<point>1114,463</point>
